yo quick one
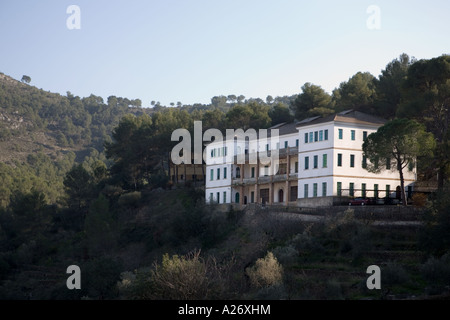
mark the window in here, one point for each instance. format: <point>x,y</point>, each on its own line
<point>238,172</point>
<point>411,166</point>
<point>306,163</point>
<point>388,163</point>
<point>218,197</point>
<point>353,134</point>
<point>352,160</point>
<point>225,172</point>
<point>339,160</point>
<point>224,197</point>
<point>215,152</point>
<point>226,151</point>
<point>211,197</point>
<point>306,191</point>
<point>388,190</point>
<point>375,190</point>
<point>311,137</point>
<point>296,142</point>
<point>212,153</point>
<point>364,162</point>
<point>267,147</point>
<point>321,135</point>
<point>315,189</point>
<point>340,134</point>
<point>316,136</point>
<point>352,189</point>
<point>266,171</point>
<point>253,172</point>
<point>364,135</point>
<point>252,196</point>
<point>324,189</point>
<point>211,175</point>
<point>324,160</point>
<point>326,134</point>
<point>296,167</point>
<point>306,137</point>
<point>316,162</point>
<point>339,189</point>
<point>363,190</point>
<point>285,144</point>
<point>218,173</point>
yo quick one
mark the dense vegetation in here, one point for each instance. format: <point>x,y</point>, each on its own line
<point>86,182</point>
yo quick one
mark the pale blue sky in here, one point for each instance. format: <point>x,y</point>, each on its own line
<point>192,50</point>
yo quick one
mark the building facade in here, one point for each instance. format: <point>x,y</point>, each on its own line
<point>319,163</point>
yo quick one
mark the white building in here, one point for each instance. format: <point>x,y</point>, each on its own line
<point>320,163</point>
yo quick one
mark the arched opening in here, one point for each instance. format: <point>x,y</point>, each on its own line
<point>398,192</point>
<point>236,197</point>
<point>280,195</point>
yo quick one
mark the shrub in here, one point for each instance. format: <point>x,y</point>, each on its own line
<point>437,271</point>
<point>180,277</point>
<point>186,277</point>
<point>130,199</point>
<point>393,274</point>
<point>419,199</point>
<point>286,254</point>
<point>266,272</point>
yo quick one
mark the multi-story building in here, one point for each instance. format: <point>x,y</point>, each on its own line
<point>319,163</point>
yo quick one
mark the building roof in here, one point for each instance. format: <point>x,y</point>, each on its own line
<point>348,116</point>
<point>285,128</point>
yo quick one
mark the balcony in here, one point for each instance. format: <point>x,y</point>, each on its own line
<point>250,181</point>
<point>264,179</point>
<point>279,177</point>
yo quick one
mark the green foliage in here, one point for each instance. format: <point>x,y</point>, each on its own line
<point>130,199</point>
<point>435,237</point>
<point>358,93</point>
<point>78,185</point>
<point>100,227</point>
<point>280,113</point>
<point>313,101</point>
<point>389,85</point>
<point>426,99</point>
<point>401,141</point>
<point>436,272</point>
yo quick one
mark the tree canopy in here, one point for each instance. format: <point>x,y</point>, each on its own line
<point>399,142</point>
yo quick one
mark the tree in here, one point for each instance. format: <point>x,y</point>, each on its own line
<point>389,84</point>
<point>313,101</point>
<point>279,113</point>
<point>78,186</point>
<point>132,149</point>
<point>219,101</point>
<point>251,115</point>
<point>401,141</point>
<point>426,98</point>
<point>26,79</point>
<point>357,93</point>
